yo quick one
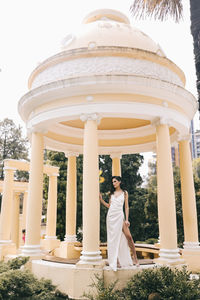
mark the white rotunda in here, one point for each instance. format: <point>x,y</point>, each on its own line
<point>111,90</point>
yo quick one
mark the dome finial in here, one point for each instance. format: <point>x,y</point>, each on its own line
<point>106,14</point>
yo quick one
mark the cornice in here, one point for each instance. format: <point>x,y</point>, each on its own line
<point>122,110</point>
<point>108,84</point>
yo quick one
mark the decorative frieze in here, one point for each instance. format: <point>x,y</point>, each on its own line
<point>105,65</point>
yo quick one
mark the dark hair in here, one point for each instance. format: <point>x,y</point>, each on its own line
<point>112,189</point>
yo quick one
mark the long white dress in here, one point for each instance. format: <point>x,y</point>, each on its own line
<point>116,241</point>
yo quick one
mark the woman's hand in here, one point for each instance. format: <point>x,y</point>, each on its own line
<point>127,223</point>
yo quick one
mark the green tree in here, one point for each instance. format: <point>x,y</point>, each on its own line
<point>162,9</point>
<point>12,145</point>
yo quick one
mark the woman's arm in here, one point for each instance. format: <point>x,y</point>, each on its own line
<point>126,209</point>
<point>103,202</point>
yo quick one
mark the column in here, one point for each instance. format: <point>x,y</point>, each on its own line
<point>191,243</point>
<point>169,253</point>
<point>91,206</point>
<point>23,218</point>
<point>51,242</point>
<point>71,200</point>
<point>15,219</point>
<point>24,209</point>
<point>116,165</point>
<point>67,249</point>
<point>6,205</point>
<point>35,196</point>
<point>52,207</point>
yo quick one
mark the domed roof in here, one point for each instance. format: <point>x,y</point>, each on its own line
<point>107,27</point>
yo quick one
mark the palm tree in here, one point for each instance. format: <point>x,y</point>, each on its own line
<point>162,9</point>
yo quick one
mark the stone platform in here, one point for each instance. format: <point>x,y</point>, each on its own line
<point>74,279</point>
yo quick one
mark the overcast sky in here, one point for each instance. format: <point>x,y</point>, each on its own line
<point>32,30</point>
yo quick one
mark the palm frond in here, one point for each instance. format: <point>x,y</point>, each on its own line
<point>158,9</point>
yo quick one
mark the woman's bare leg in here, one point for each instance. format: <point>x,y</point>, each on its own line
<point>131,244</point>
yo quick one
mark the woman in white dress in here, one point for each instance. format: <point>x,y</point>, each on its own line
<point>119,239</point>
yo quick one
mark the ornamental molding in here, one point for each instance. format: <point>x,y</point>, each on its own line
<point>185,137</point>
<point>103,134</point>
<point>31,130</point>
<point>7,168</point>
<point>71,154</point>
<point>126,84</point>
<point>53,175</point>
<point>90,117</point>
<point>70,238</point>
<point>106,51</point>
<point>105,65</point>
<point>121,110</point>
<point>162,121</point>
<point>61,147</point>
<point>169,254</point>
<point>191,246</point>
<point>116,155</point>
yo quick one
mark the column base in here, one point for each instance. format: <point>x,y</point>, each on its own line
<point>50,243</point>
<point>169,257</point>
<point>7,248</point>
<point>70,238</point>
<point>31,250</point>
<point>191,254</point>
<point>67,250</point>
<point>91,259</point>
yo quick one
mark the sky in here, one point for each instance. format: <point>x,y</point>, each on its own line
<point>32,30</point>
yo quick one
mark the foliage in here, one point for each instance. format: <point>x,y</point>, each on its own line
<point>158,9</point>
<point>101,291</point>
<point>17,283</point>
<point>153,283</point>
<point>164,282</point>
<point>12,145</point>
<point>17,262</point>
<point>170,284</point>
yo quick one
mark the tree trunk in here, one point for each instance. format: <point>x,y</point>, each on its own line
<point>195,31</point>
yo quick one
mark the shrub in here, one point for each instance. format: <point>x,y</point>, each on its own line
<point>159,283</point>
<point>101,291</point>
<point>18,284</point>
<point>169,284</point>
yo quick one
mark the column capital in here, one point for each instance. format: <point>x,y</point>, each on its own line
<point>184,137</point>
<point>52,174</point>
<point>174,144</point>
<point>90,117</point>
<point>70,153</point>
<point>7,168</point>
<point>17,194</point>
<point>31,130</point>
<point>116,155</point>
<point>161,121</point>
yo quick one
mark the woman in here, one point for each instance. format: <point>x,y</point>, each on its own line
<point>119,238</point>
